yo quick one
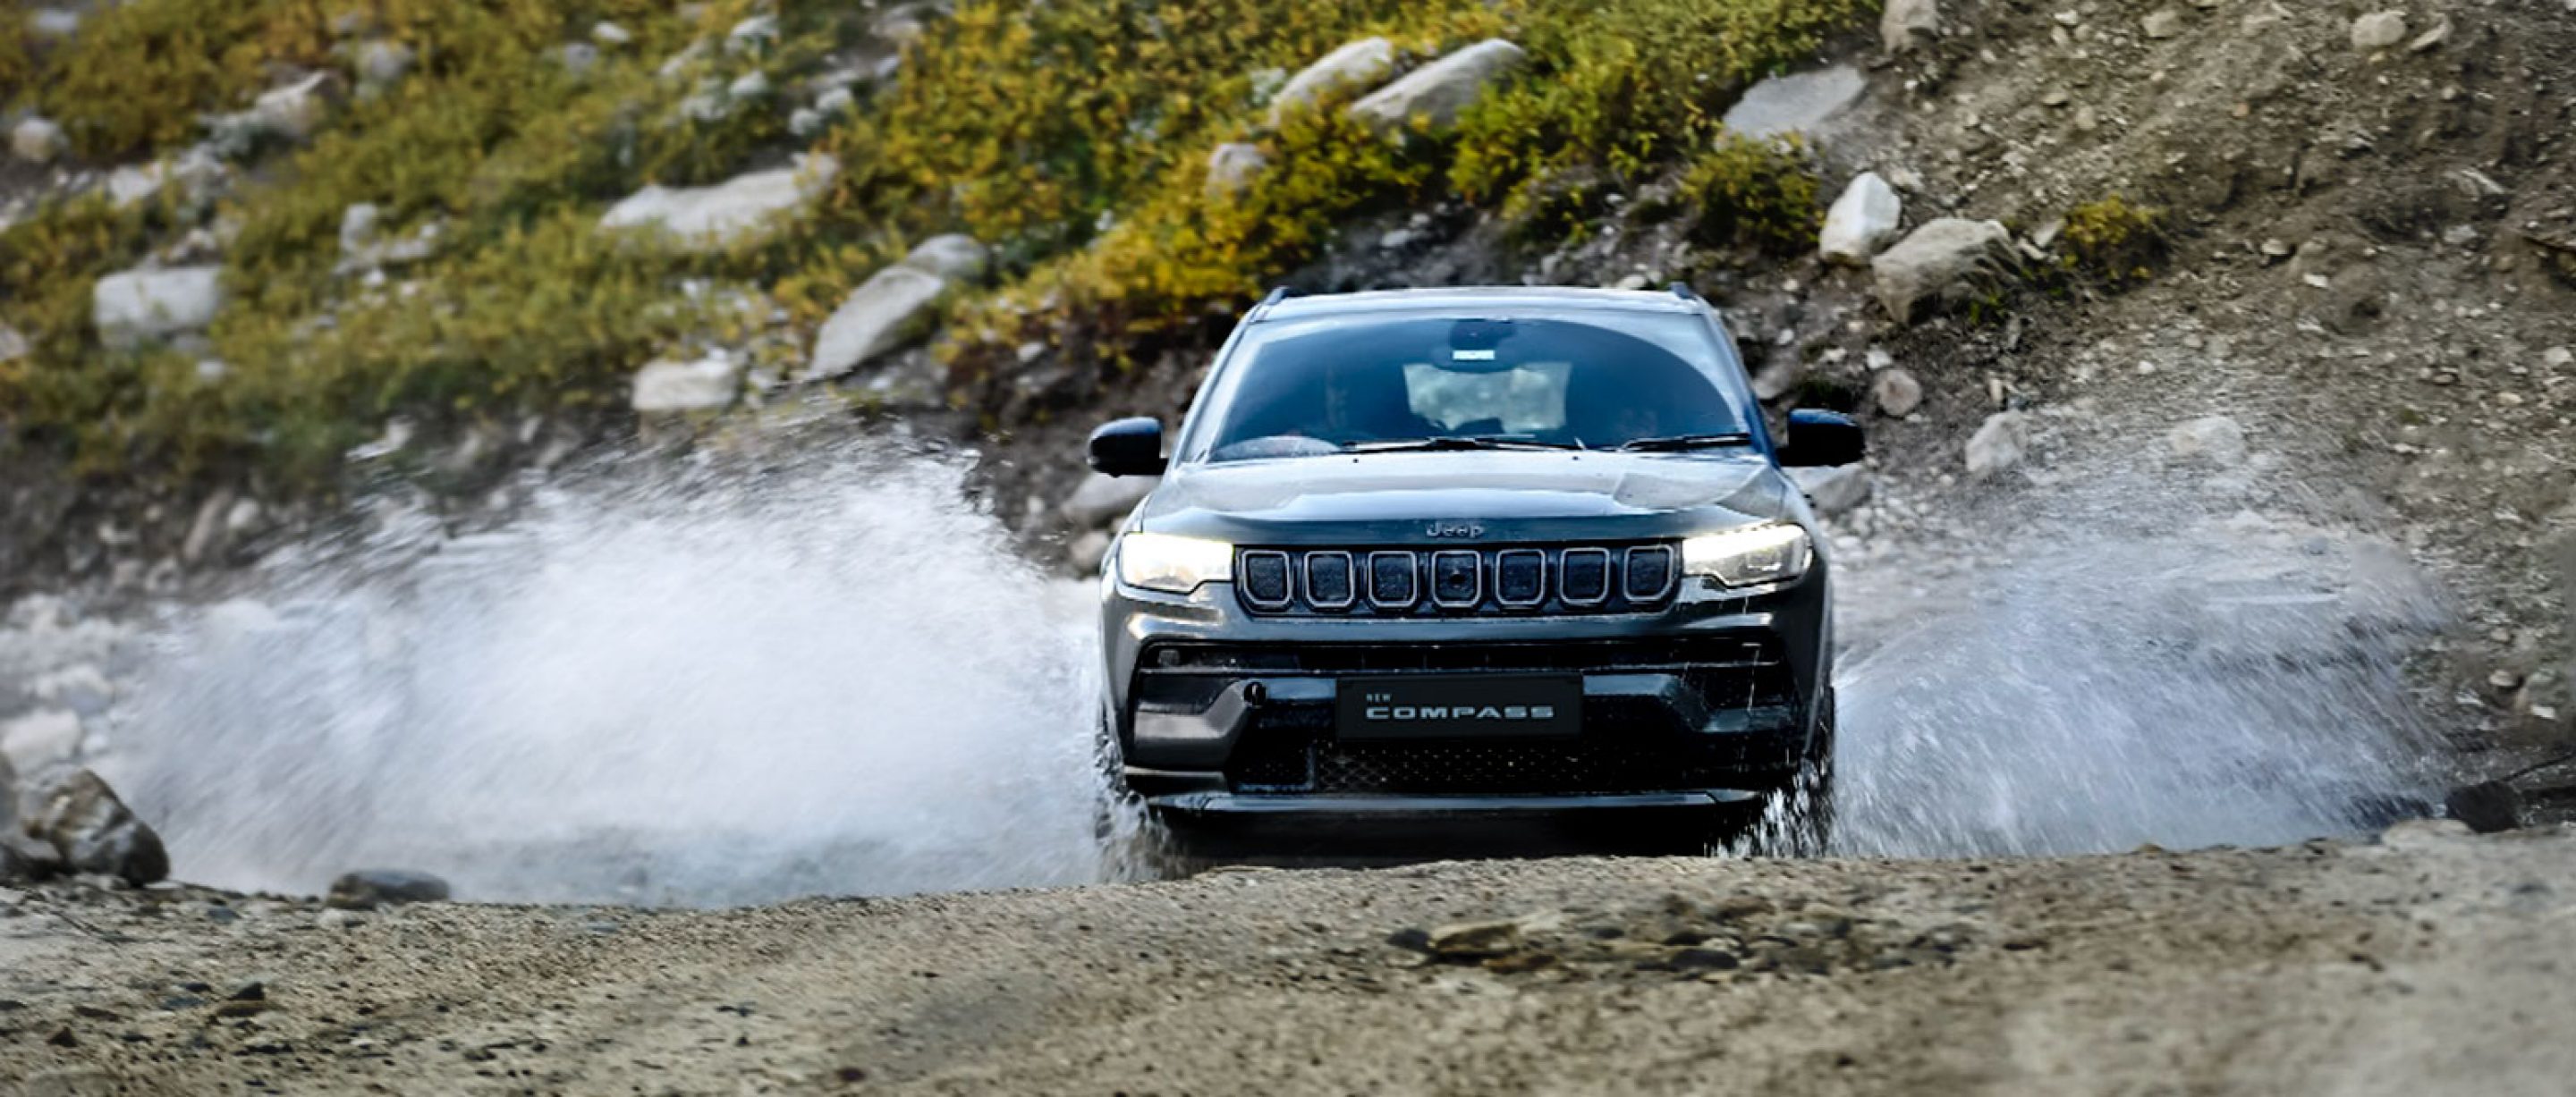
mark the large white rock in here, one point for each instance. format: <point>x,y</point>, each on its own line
<point>1947,259</point>
<point>736,209</point>
<point>1905,24</point>
<point>953,255</point>
<point>1860,222</point>
<point>1356,65</point>
<point>1833,490</point>
<point>13,345</point>
<point>888,310</point>
<point>1439,92</point>
<point>2000,444</point>
<point>1795,103</point>
<point>672,386</point>
<point>36,140</point>
<point>1102,499</point>
<point>135,307</point>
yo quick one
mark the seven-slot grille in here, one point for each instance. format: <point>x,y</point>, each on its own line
<point>1457,581</point>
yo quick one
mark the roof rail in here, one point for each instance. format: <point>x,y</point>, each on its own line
<point>1276,295</point>
<point>1685,292</point>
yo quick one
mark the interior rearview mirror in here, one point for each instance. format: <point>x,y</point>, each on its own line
<point>1821,438</point>
<point>1128,447</point>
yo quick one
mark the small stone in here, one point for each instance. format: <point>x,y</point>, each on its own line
<point>2000,444</point>
<point>752,35</point>
<point>371,888</point>
<point>1232,167</point>
<point>2056,97</point>
<point>669,387</point>
<point>2162,23</point>
<point>37,140</point>
<point>383,64</point>
<point>1860,222</point>
<point>1896,392</point>
<point>2379,30</point>
<point>358,227</point>
<point>2213,439</point>
<point>610,34</point>
<point>94,831</point>
<point>2558,357</point>
<point>836,102</point>
<point>1474,940</point>
<point>748,86</point>
<point>2432,39</point>
<point>578,58</point>
<point>339,918</point>
<point>1904,25</point>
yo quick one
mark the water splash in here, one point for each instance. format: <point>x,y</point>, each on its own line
<point>713,684</point>
<point>2237,682</point>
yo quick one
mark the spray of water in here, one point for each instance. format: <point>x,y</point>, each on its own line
<point>731,685</point>
<point>2231,682</point>
<point>733,681</point>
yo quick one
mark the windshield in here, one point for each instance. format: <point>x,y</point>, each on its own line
<point>1594,380</point>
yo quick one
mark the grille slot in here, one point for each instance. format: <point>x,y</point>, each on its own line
<point>1457,579</point>
<point>1392,583</point>
<point>1328,580</point>
<point>1649,572</point>
<point>1520,577</point>
<point>1583,576</point>
<point>1265,580</point>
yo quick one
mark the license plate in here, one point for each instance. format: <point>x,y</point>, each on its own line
<point>1465,706</point>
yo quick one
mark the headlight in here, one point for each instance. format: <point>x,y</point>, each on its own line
<point>1750,556</point>
<point>1158,561</point>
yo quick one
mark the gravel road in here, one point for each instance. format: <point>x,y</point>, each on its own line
<point>2427,962</point>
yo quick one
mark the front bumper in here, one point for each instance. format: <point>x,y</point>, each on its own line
<point>1229,805</point>
<point>1220,713</point>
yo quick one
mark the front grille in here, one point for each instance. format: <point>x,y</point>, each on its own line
<point>1458,582</point>
<point>1284,763</point>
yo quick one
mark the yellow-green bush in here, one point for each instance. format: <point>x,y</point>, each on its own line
<point>1629,86</point>
<point>2114,240</point>
<point>1759,193</point>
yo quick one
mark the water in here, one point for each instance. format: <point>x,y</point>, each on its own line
<point>2235,682</point>
<point>738,681</point>
<point>735,684</point>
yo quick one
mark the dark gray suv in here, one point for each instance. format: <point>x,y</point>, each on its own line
<point>1470,552</point>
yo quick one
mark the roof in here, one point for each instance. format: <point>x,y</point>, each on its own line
<point>1476,297</point>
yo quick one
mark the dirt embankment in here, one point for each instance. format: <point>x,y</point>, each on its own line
<point>2420,964</point>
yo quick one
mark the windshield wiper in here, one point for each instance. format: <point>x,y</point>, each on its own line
<point>1453,442</point>
<point>1671,443</point>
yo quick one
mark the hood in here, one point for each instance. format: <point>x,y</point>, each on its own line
<point>1481,497</point>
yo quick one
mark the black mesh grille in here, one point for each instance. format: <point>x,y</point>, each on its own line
<point>1265,577</point>
<point>1650,570</point>
<point>1520,577</point>
<point>1328,578</point>
<point>1291,762</point>
<point>1585,575</point>
<point>1391,578</point>
<point>1460,581</point>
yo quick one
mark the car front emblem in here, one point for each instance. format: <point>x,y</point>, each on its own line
<point>1457,531</point>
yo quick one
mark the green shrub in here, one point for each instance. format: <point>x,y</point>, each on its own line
<point>1756,193</point>
<point>1630,86</point>
<point>2115,241</point>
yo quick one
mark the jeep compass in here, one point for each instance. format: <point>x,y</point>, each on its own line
<point>1470,553</point>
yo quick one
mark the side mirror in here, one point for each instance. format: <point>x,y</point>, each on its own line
<point>1128,447</point>
<point>1821,438</point>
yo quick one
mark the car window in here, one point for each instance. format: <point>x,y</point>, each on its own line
<point>1595,380</point>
